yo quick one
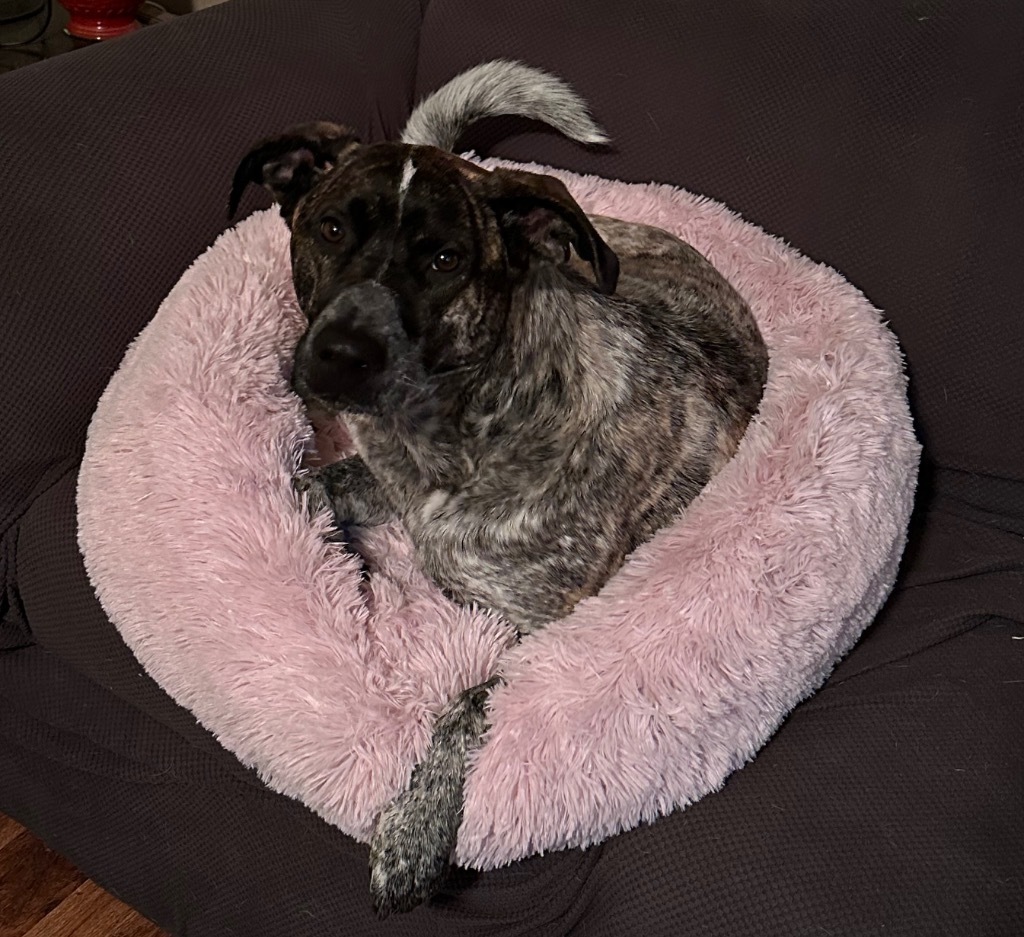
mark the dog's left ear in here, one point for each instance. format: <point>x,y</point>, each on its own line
<point>290,164</point>
<point>540,210</point>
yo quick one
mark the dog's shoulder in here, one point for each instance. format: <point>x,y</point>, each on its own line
<point>677,292</point>
<point>635,242</point>
<point>652,259</point>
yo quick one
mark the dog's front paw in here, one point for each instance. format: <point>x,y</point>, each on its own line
<point>348,490</point>
<point>411,850</point>
<point>315,486</point>
<point>310,483</point>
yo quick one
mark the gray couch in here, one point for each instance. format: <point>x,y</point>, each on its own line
<point>882,136</point>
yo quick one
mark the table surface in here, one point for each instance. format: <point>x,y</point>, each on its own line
<point>55,41</point>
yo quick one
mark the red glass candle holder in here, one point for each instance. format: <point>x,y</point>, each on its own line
<point>101,19</point>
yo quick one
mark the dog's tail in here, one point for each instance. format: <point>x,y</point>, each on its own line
<point>495,89</point>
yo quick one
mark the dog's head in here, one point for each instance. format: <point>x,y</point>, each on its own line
<point>405,258</point>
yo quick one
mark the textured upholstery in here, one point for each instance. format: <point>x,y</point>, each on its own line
<point>884,138</point>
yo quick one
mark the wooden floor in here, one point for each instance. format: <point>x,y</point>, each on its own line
<point>43,895</point>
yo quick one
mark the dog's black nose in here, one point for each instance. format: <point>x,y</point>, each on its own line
<point>339,348</point>
<point>342,364</point>
<point>344,359</point>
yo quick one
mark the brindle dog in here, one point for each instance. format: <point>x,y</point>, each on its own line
<point>532,391</point>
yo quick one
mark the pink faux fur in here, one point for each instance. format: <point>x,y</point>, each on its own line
<point>641,701</point>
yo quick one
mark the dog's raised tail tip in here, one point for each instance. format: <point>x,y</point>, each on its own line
<point>502,87</point>
<point>597,137</point>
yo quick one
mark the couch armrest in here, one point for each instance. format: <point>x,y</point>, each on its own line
<point>115,164</point>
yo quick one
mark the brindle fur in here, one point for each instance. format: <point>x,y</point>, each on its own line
<point>535,422</point>
<point>591,426</point>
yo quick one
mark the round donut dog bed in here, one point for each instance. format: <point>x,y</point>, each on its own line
<point>641,701</point>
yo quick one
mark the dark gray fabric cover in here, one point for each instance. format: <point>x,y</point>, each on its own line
<point>882,137</point>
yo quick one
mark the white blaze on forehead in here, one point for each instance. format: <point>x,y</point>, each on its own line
<point>408,170</point>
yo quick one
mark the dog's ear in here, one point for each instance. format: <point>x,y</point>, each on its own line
<point>289,165</point>
<point>540,210</point>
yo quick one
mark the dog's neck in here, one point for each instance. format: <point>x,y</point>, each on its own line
<point>562,356</point>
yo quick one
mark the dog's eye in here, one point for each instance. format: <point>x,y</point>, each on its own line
<point>446,261</point>
<point>331,230</point>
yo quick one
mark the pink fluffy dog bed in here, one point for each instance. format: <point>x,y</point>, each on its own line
<point>641,701</point>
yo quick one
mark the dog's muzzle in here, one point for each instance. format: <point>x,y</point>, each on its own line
<point>344,358</point>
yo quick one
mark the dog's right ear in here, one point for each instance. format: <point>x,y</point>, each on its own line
<point>290,164</point>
